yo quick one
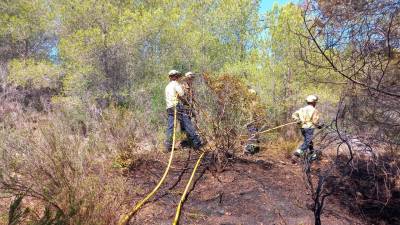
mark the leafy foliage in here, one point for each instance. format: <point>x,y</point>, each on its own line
<point>100,67</point>
<point>34,74</point>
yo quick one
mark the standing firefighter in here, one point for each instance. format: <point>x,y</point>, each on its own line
<point>174,95</point>
<point>188,104</point>
<point>189,92</point>
<point>308,119</point>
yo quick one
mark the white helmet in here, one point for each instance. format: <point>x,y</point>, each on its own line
<point>252,91</point>
<point>312,98</point>
<point>174,72</point>
<point>189,75</point>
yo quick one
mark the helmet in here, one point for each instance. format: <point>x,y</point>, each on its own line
<point>252,91</point>
<point>174,72</point>
<point>312,99</point>
<point>189,75</point>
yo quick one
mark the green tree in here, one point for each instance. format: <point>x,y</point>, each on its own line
<point>288,77</point>
<point>25,32</point>
<point>24,27</point>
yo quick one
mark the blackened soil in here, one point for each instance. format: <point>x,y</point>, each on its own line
<point>249,191</point>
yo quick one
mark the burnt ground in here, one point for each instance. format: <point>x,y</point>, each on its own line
<point>251,190</point>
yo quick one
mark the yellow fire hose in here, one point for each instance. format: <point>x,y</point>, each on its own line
<point>274,128</point>
<point>178,209</point>
<point>271,129</point>
<point>125,219</point>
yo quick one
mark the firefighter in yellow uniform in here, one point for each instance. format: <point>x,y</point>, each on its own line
<point>308,119</point>
<point>174,97</point>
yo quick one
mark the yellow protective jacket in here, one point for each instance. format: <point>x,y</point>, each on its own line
<point>172,91</point>
<point>308,117</point>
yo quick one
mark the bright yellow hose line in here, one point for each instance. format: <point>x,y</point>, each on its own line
<point>125,219</point>
<point>286,124</point>
<point>274,128</point>
<point>178,209</point>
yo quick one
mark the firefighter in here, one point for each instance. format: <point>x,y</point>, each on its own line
<point>188,104</point>
<point>174,96</point>
<point>308,119</point>
<point>189,92</point>
<point>253,143</point>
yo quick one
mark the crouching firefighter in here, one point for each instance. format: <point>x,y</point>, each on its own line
<point>174,95</point>
<point>253,142</point>
<point>308,119</point>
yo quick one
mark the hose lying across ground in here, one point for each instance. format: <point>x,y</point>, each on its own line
<point>178,209</point>
<point>125,218</point>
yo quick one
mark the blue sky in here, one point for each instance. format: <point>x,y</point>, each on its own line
<point>267,4</point>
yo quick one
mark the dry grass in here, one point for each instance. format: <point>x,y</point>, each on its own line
<point>68,171</point>
<point>279,148</point>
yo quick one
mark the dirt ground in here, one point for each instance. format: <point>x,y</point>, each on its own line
<point>259,190</point>
<point>251,190</point>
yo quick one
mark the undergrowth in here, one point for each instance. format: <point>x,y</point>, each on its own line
<point>57,170</point>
